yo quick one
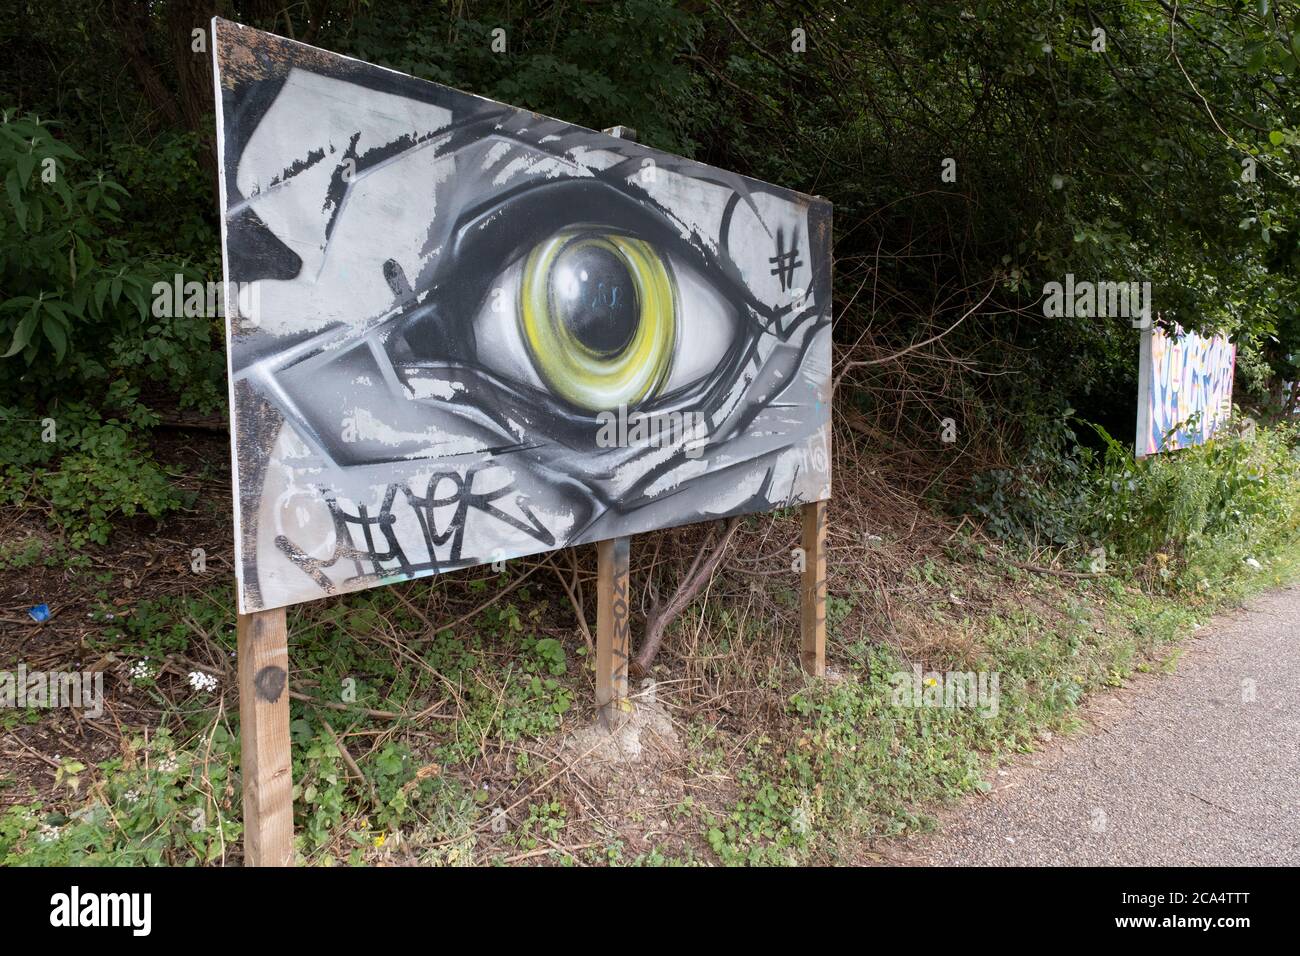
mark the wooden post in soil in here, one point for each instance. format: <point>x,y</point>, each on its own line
<point>812,653</point>
<point>613,634</point>
<point>266,763</point>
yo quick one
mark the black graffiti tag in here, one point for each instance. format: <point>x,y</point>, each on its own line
<point>375,561</point>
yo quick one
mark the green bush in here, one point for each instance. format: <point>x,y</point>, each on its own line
<point>1041,499</point>
<point>157,804</point>
<point>81,469</point>
<point>1234,494</point>
<point>79,258</point>
<point>1201,509</point>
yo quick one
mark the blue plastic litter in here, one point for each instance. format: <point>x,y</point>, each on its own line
<point>40,613</point>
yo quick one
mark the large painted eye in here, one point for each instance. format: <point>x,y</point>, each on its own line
<point>598,315</point>
<point>595,318</point>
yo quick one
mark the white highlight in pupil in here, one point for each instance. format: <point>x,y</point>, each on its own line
<point>568,284</point>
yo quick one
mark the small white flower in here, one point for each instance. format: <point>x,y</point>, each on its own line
<point>203,682</point>
<point>168,764</point>
<point>141,670</point>
<point>131,796</point>
<point>48,834</point>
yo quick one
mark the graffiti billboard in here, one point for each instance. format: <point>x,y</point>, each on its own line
<point>460,332</point>
<point>1184,388</point>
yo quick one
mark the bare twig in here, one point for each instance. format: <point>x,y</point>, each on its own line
<point>662,613</point>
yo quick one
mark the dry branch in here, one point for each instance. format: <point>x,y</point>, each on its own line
<point>662,613</point>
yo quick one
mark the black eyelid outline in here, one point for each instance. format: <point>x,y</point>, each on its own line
<point>537,210</point>
<point>494,242</point>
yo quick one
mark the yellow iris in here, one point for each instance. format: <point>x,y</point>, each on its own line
<point>584,375</point>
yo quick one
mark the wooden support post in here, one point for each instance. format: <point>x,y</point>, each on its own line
<point>612,632</point>
<point>812,654</point>
<point>267,764</point>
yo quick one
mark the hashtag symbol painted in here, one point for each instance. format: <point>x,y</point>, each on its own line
<point>785,261</point>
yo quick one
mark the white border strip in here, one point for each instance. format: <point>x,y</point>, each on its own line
<point>1144,394</point>
<point>230,335</point>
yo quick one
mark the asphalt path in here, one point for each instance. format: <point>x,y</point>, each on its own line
<point>1200,766</point>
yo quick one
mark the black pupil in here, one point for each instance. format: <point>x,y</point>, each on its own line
<point>594,297</point>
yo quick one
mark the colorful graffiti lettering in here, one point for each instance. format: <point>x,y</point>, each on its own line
<point>1184,389</point>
